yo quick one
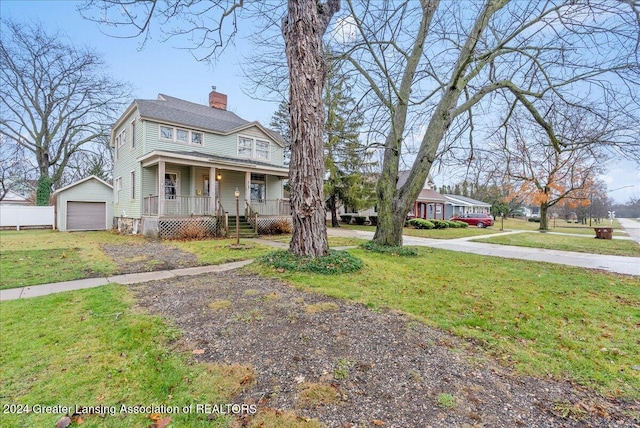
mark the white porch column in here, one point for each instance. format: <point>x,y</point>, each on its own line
<point>212,190</point>
<point>161,172</point>
<point>247,187</point>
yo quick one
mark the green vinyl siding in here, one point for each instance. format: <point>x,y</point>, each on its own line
<point>126,163</point>
<point>228,184</point>
<point>274,187</point>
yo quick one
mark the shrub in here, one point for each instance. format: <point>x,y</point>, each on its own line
<point>277,227</point>
<point>460,224</point>
<point>189,231</point>
<point>373,220</point>
<point>346,218</point>
<point>359,219</point>
<point>388,249</point>
<point>420,223</point>
<point>336,262</point>
<point>440,224</point>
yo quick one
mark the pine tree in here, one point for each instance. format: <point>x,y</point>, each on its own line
<point>345,157</point>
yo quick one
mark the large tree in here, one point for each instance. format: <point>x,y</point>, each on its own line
<point>438,72</point>
<point>211,26</point>
<point>57,101</point>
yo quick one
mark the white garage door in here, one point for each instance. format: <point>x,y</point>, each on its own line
<point>86,215</point>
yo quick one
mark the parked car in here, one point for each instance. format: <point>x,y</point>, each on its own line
<point>474,219</point>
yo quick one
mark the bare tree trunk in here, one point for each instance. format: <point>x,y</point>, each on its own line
<point>303,28</point>
<point>333,207</point>
<point>543,216</point>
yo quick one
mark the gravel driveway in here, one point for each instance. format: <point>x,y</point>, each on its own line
<point>385,368</point>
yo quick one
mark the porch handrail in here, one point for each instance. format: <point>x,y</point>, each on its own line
<point>222,217</point>
<point>251,215</point>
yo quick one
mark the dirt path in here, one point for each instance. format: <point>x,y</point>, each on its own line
<point>382,368</point>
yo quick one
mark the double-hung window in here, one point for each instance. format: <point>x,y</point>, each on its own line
<point>117,186</point>
<point>133,185</point>
<point>262,149</point>
<point>245,147</point>
<point>253,148</point>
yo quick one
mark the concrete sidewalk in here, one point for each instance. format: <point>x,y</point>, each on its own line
<point>615,264</point>
<point>131,278</point>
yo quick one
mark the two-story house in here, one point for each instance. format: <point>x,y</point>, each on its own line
<point>178,162</point>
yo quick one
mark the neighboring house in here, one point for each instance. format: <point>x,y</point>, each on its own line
<point>457,205</point>
<point>428,205</point>
<point>13,198</point>
<point>175,160</point>
<point>86,204</point>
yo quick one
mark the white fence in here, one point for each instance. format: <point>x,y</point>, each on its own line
<point>21,216</point>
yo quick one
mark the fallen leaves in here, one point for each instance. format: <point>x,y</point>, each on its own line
<point>159,421</point>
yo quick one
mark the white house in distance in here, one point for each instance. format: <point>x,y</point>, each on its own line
<point>457,205</point>
<point>178,162</point>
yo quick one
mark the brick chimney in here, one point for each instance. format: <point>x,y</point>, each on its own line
<point>217,100</point>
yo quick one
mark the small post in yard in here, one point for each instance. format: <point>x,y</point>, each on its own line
<point>502,217</point>
<point>237,193</point>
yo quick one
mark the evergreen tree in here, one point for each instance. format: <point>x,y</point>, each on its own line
<point>345,157</point>
<point>281,122</point>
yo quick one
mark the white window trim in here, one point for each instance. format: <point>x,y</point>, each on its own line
<point>174,135</point>
<point>133,134</point>
<point>132,176</point>
<point>254,140</point>
<point>117,187</point>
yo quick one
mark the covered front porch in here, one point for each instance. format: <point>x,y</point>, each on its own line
<point>187,186</point>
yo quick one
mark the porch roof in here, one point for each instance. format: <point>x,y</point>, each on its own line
<point>463,201</point>
<point>430,195</point>
<point>206,160</point>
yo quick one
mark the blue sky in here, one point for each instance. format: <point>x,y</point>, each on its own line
<point>158,68</point>
<point>161,68</point>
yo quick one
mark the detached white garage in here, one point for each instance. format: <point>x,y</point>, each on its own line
<point>85,205</point>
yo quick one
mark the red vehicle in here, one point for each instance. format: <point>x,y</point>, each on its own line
<point>474,219</point>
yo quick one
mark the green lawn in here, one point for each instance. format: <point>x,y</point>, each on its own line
<point>558,226</point>
<point>616,247</point>
<point>449,233</point>
<point>91,348</point>
<point>543,319</point>
<point>44,256</point>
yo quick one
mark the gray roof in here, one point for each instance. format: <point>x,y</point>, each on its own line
<point>222,158</point>
<point>199,116</point>
<point>467,200</point>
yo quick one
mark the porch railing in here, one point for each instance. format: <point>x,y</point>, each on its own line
<point>178,206</point>
<point>271,207</point>
<point>150,205</point>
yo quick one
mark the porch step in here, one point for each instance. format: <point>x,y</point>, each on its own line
<point>246,230</point>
